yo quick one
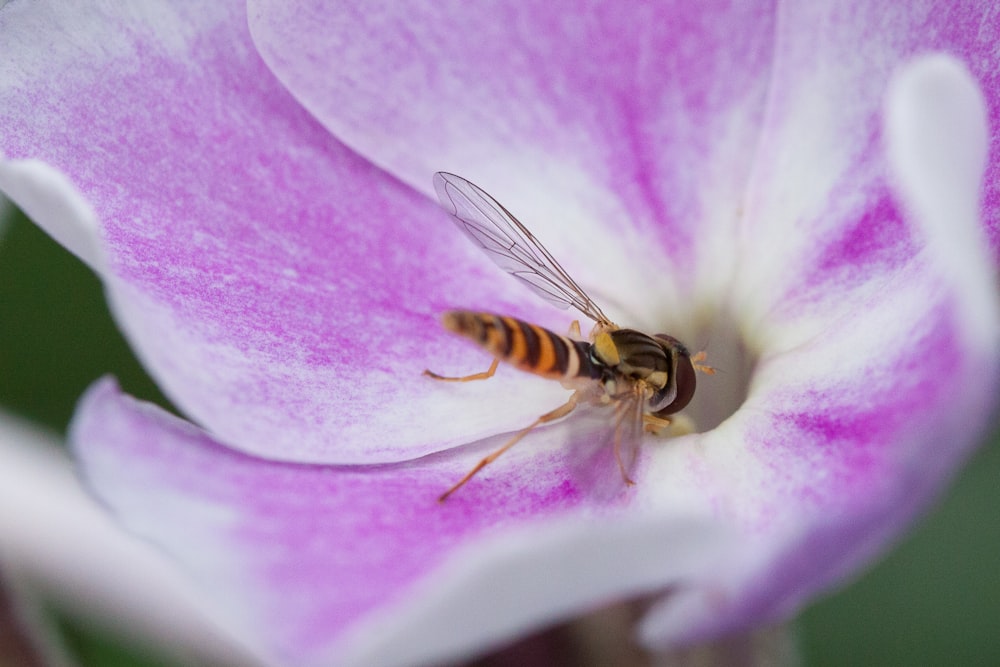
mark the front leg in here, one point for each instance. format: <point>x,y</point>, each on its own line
<point>656,425</point>
<point>674,426</point>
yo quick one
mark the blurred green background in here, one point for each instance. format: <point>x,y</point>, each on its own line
<point>935,600</point>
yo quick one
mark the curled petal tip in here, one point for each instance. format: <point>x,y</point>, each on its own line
<point>51,199</point>
<point>936,140</point>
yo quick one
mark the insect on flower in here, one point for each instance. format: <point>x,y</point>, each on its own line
<point>644,378</point>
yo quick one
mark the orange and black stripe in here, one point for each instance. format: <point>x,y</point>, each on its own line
<point>526,346</point>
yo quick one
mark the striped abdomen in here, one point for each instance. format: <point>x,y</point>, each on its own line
<point>526,346</point>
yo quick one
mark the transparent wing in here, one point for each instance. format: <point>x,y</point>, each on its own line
<point>607,451</point>
<point>628,432</point>
<point>511,245</point>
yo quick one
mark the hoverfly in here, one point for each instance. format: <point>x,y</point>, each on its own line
<point>644,378</point>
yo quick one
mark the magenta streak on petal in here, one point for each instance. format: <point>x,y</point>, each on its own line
<point>261,247</point>
<point>863,248</point>
<point>879,238</point>
<point>851,435</point>
<point>875,243</point>
<point>635,99</point>
<point>873,40</point>
<point>858,234</point>
<point>867,242</point>
<point>305,551</point>
<point>660,184</point>
<point>380,530</point>
<point>832,66</point>
<point>852,467</point>
<point>883,464</point>
<point>282,289</point>
<point>980,56</point>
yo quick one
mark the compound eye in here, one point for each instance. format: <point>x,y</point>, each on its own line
<point>685,382</point>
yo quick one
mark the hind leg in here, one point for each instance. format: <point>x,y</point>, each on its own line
<point>561,411</point>
<point>485,375</point>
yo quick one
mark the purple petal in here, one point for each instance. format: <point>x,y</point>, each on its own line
<point>830,459</point>
<point>620,136</point>
<point>284,292</point>
<point>848,436</point>
<point>823,228</point>
<point>362,564</point>
<point>841,442</point>
<point>57,539</point>
<point>869,391</point>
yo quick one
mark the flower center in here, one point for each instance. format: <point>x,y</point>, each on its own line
<point>720,395</point>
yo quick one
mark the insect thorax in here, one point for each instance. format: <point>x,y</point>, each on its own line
<point>661,362</point>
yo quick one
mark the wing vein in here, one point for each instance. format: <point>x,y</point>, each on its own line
<point>488,224</point>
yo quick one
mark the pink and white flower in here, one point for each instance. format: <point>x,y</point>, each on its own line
<point>799,188</point>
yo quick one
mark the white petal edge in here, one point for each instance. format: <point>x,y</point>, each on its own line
<point>51,200</point>
<point>60,542</point>
<point>457,611</point>
<point>937,141</point>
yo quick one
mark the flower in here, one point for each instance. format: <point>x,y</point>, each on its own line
<point>109,576</point>
<point>271,253</point>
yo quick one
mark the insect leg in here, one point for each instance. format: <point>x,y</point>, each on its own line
<point>574,330</point>
<point>698,366</point>
<point>656,424</point>
<point>485,375</point>
<point>630,416</point>
<point>561,411</point>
